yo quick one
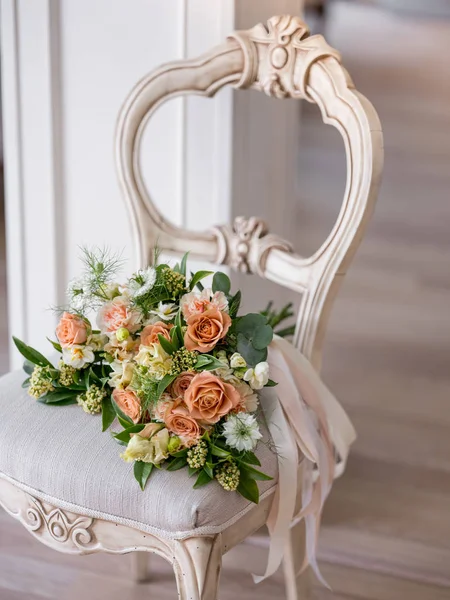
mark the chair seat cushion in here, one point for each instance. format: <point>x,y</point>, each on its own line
<point>60,455</point>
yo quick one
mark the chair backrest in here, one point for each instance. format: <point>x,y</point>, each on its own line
<point>284,62</point>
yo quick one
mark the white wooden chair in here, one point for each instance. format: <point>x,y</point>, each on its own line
<point>46,486</point>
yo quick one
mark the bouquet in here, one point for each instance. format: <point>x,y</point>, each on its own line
<point>170,362</point>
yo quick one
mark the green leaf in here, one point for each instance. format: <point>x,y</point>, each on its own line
<point>123,418</point>
<point>262,337</point>
<point>254,473</point>
<point>166,345</point>
<point>208,470</point>
<point>207,362</point>
<point>202,479</point>
<point>31,354</point>
<point>108,413</point>
<point>142,472</point>
<point>248,488</point>
<point>249,323</point>
<point>28,367</point>
<point>221,283</point>
<point>164,383</point>
<point>55,345</point>
<point>180,453</point>
<point>192,471</point>
<point>198,277</point>
<point>271,383</point>
<point>177,464</point>
<point>251,355</point>
<point>56,397</point>
<point>26,383</point>
<point>216,451</point>
<point>251,458</point>
<point>86,379</point>
<point>174,338</point>
<point>234,304</point>
<point>60,403</point>
<point>125,435</point>
<point>183,264</point>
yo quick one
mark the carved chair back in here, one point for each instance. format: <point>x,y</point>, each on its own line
<point>282,61</point>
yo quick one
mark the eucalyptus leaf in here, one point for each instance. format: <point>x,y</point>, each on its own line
<point>28,367</point>
<point>251,355</point>
<point>248,324</point>
<point>221,283</point>
<point>142,472</point>
<point>262,337</point>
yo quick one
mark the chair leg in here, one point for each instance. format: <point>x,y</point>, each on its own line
<point>139,566</point>
<point>298,587</point>
<point>197,565</point>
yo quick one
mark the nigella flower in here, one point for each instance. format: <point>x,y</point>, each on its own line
<point>77,294</point>
<point>142,282</point>
<point>241,431</point>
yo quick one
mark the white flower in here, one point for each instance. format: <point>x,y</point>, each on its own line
<point>77,293</point>
<point>97,341</point>
<point>241,431</point>
<point>157,360</point>
<point>78,356</point>
<point>122,373</point>
<point>237,361</point>
<point>166,312</point>
<point>257,377</point>
<point>250,400</point>
<point>142,282</point>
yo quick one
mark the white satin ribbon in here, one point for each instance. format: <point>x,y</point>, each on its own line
<point>304,419</point>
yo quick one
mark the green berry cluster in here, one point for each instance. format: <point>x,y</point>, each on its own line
<point>196,456</point>
<point>91,401</point>
<point>183,360</point>
<point>175,282</point>
<point>40,382</point>
<point>66,373</point>
<point>228,474</point>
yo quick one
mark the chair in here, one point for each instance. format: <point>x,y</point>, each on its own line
<point>84,501</point>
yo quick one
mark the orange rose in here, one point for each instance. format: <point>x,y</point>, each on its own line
<point>205,329</point>
<point>71,330</point>
<point>149,334</point>
<point>128,403</point>
<point>180,422</point>
<point>181,384</point>
<point>208,398</point>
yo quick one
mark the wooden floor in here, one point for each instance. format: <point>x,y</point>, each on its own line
<point>386,531</point>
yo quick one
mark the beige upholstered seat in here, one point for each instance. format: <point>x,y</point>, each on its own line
<point>58,454</point>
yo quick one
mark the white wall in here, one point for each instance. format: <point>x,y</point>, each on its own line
<point>67,66</point>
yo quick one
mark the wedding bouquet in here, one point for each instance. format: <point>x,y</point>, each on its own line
<point>170,362</point>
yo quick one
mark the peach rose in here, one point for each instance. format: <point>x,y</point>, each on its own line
<point>128,403</point>
<point>208,398</point>
<point>149,334</point>
<point>116,314</point>
<point>205,329</point>
<point>181,384</point>
<point>180,422</point>
<point>71,330</point>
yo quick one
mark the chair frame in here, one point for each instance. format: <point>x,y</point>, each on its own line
<point>283,61</point>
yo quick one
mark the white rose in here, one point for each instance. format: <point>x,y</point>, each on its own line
<point>259,376</point>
